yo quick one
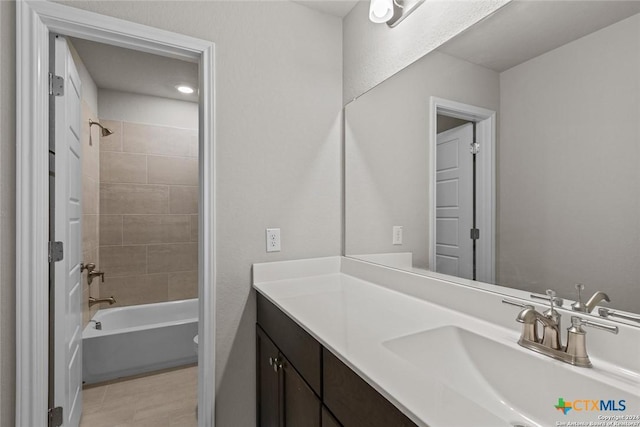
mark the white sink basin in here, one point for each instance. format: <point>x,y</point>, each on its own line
<point>514,384</point>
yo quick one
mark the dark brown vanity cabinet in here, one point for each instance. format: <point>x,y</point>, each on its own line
<point>288,370</point>
<point>302,384</point>
<point>284,398</point>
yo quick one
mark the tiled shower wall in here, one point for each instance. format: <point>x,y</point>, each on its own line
<point>90,206</point>
<point>148,213</point>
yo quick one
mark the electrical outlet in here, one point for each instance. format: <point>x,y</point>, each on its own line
<point>397,235</point>
<point>273,240</point>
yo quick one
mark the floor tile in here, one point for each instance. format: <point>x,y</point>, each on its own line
<point>165,399</point>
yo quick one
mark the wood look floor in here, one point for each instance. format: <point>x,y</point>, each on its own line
<point>166,399</point>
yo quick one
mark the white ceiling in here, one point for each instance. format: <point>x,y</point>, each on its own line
<point>128,70</point>
<point>338,8</point>
<point>525,29</point>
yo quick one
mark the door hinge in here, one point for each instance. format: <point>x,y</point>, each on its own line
<point>56,251</point>
<point>55,416</point>
<point>475,234</point>
<point>475,148</point>
<point>56,85</point>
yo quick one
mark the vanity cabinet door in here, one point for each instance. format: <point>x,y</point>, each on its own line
<point>301,349</point>
<point>328,420</point>
<point>301,405</point>
<point>354,402</point>
<point>268,398</point>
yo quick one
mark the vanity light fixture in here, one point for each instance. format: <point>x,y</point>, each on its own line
<point>380,11</point>
<point>187,90</point>
<point>391,11</point>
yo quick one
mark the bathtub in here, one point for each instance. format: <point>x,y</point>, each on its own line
<point>138,339</point>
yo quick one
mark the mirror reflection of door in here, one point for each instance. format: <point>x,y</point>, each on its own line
<point>455,251</point>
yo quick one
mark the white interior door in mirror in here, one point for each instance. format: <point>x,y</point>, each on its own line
<point>68,226</point>
<point>454,202</point>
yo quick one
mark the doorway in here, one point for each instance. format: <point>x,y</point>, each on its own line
<point>461,190</point>
<point>35,22</point>
<point>126,209</point>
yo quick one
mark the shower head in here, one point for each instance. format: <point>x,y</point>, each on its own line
<point>105,131</point>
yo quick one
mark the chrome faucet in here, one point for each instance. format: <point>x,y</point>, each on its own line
<point>575,352</point>
<point>93,301</point>
<point>554,302</point>
<point>551,332</point>
<point>591,304</point>
<point>595,300</point>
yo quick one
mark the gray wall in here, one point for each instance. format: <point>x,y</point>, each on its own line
<point>387,158</point>
<point>279,100</point>
<point>569,174</point>
<point>374,52</point>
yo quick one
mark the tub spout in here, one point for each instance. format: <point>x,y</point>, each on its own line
<point>93,301</point>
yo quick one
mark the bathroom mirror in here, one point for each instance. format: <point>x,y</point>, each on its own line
<point>550,196</point>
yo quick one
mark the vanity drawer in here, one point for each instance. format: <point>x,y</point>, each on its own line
<point>354,402</point>
<point>300,348</point>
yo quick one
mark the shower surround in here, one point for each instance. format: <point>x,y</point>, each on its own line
<point>148,216</point>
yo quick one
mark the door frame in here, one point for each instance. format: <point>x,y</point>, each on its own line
<point>34,21</point>
<point>485,181</point>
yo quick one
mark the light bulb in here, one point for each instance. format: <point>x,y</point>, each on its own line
<point>380,11</point>
<point>185,89</point>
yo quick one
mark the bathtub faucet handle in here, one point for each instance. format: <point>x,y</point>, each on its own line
<point>90,267</point>
<point>93,274</point>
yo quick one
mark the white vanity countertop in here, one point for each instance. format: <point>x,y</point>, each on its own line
<point>355,319</point>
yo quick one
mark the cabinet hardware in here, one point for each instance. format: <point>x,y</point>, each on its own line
<point>276,363</point>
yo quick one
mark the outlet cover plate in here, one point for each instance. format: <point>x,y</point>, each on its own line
<point>273,240</point>
<point>397,235</point>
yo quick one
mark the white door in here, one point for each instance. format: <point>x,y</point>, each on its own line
<point>68,214</point>
<point>454,202</point>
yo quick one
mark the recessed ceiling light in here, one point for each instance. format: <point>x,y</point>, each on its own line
<point>185,89</point>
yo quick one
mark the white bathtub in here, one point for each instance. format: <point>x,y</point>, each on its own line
<point>139,339</point>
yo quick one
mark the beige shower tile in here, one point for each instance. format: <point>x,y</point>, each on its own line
<point>194,228</point>
<point>90,200</point>
<point>110,230</point>
<point>183,200</point>
<point>135,290</point>
<point>183,285</point>
<point>90,231</point>
<point>123,167</point>
<point>86,314</point>
<point>123,260</point>
<point>173,170</point>
<point>89,247</point>
<point>133,199</point>
<point>162,140</point>
<point>90,161</point>
<point>145,229</point>
<point>112,142</point>
<point>172,257</point>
